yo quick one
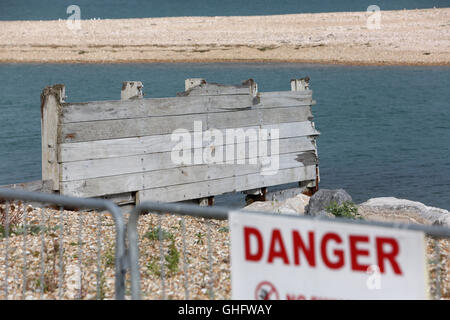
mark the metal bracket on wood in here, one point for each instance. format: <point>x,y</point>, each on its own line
<point>312,186</point>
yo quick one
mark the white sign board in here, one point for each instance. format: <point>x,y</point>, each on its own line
<point>283,257</point>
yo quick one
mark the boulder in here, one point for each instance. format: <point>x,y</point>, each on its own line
<point>323,198</point>
<point>295,205</point>
<point>391,209</point>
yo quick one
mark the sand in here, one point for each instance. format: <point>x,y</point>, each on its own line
<point>406,37</point>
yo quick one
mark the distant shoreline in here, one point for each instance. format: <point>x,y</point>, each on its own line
<point>407,37</point>
<point>234,61</point>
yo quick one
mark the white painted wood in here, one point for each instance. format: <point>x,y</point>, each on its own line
<point>121,199</point>
<point>130,109</point>
<point>35,186</point>
<point>207,89</point>
<point>88,169</point>
<point>122,149</point>
<point>169,177</point>
<point>124,128</point>
<point>132,90</point>
<point>159,143</point>
<point>193,82</point>
<point>281,99</point>
<point>140,108</point>
<point>221,186</point>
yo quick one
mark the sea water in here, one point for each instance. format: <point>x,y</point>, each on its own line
<point>115,9</point>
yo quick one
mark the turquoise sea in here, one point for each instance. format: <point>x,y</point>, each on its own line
<point>114,9</point>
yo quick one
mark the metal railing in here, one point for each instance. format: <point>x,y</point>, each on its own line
<point>173,208</point>
<point>34,238</point>
<point>436,233</point>
<point>43,233</point>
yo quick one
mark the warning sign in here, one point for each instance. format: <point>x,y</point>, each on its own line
<point>282,257</point>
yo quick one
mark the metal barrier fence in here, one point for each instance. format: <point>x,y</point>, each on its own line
<point>46,249</point>
<point>32,239</point>
<point>438,263</point>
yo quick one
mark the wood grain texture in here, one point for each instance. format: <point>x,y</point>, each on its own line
<point>124,149</point>
<point>221,186</point>
<point>180,175</point>
<point>159,143</point>
<point>209,89</point>
<point>147,126</point>
<point>156,107</point>
<point>88,169</point>
<point>51,98</point>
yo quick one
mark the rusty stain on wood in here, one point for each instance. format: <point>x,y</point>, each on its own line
<point>70,136</point>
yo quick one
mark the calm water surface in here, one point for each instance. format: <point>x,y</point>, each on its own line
<point>114,9</point>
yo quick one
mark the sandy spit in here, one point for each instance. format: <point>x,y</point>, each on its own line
<point>406,37</point>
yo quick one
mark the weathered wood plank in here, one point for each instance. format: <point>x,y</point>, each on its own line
<point>124,128</point>
<point>221,186</point>
<point>51,99</point>
<point>35,186</point>
<point>207,89</point>
<point>121,199</point>
<point>123,149</point>
<point>281,99</point>
<point>130,109</point>
<point>88,169</point>
<point>179,175</point>
<point>159,143</point>
<point>140,108</point>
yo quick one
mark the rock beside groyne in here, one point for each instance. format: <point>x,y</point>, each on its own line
<point>404,211</point>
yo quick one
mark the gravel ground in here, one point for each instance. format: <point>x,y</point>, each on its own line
<point>42,246</point>
<point>409,37</point>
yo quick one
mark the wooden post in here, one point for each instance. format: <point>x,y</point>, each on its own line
<point>51,99</point>
<point>253,86</point>
<point>310,187</point>
<point>132,90</point>
<point>301,84</point>
<point>193,82</point>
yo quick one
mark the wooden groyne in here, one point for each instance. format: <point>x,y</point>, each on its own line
<point>124,150</point>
